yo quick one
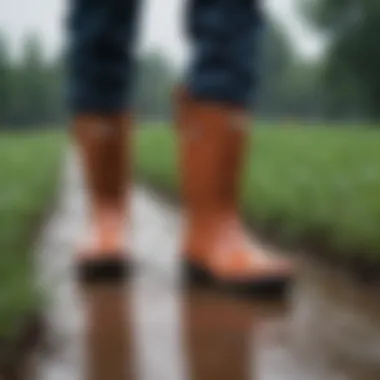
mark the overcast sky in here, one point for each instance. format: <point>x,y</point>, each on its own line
<point>161,25</point>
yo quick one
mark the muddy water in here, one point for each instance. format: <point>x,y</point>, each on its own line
<point>153,328</point>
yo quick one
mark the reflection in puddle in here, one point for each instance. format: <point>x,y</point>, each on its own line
<point>220,334</point>
<point>157,332</point>
<point>152,330</point>
<point>108,344</point>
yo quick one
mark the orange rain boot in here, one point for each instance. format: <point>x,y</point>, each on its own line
<point>217,248</point>
<point>101,142</point>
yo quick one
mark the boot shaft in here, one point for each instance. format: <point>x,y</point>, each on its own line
<point>104,151</point>
<point>236,145</point>
<point>201,152</point>
<point>213,143</point>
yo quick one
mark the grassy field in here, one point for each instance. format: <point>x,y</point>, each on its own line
<point>321,184</point>
<point>28,173</point>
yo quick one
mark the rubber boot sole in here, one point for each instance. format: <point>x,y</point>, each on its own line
<point>269,287</point>
<point>112,268</point>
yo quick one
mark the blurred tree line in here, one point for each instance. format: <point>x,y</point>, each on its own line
<point>32,92</point>
<point>289,87</point>
<point>344,85</point>
<point>350,75</point>
<point>30,88</point>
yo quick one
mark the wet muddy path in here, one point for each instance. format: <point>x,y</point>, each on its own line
<point>154,329</point>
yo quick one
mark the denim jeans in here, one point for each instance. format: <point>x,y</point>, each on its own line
<point>225,37</point>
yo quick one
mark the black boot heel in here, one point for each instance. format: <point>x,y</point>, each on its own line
<point>194,274</point>
<point>105,270</point>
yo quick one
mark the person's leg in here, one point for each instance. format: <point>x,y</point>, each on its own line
<point>225,35</point>
<point>101,37</point>
<point>213,120</point>
<point>100,66</point>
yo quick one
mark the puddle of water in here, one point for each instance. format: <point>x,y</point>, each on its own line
<point>153,330</point>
